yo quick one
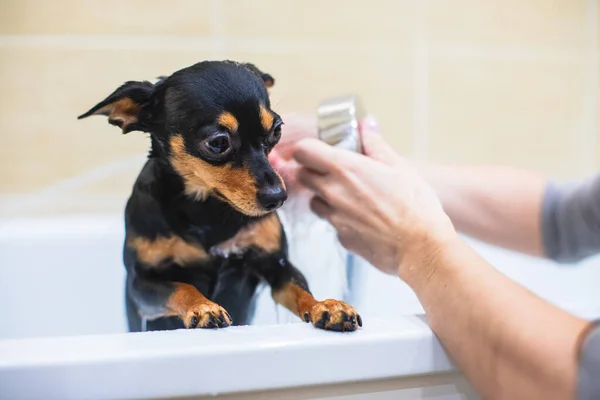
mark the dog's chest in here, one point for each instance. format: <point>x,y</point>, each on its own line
<point>204,247</point>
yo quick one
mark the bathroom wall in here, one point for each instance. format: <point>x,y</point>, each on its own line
<point>512,82</point>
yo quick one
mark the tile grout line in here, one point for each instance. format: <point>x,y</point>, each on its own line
<point>189,43</point>
<point>262,45</point>
<point>595,69</point>
<point>472,52</point>
<point>420,95</point>
<point>216,22</point>
<point>591,90</point>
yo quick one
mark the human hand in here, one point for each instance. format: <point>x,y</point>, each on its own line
<point>381,209</point>
<point>296,127</point>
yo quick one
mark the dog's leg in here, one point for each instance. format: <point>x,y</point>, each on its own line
<point>263,248</point>
<point>290,289</point>
<point>155,299</point>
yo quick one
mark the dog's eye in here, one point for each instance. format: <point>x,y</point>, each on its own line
<point>218,144</point>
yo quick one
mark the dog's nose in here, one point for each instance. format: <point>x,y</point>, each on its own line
<point>271,197</point>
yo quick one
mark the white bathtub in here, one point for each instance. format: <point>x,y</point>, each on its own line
<point>64,277</point>
<point>68,271</point>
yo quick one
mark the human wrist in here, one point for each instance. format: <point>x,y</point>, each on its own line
<point>421,261</point>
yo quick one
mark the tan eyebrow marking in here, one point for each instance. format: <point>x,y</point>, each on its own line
<point>266,118</point>
<point>228,121</point>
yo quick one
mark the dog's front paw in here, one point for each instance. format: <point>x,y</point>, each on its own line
<point>206,315</point>
<point>333,315</point>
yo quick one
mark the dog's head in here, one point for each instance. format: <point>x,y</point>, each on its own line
<point>213,123</point>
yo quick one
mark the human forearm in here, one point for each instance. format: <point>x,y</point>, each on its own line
<point>498,205</point>
<point>508,342</point>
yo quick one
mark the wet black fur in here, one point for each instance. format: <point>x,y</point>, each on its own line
<point>188,103</point>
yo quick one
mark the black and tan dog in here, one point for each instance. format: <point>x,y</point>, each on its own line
<point>201,231</point>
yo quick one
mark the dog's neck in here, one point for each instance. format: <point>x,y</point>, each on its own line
<point>156,148</point>
<point>210,220</point>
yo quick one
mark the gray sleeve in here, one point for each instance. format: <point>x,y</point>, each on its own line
<point>571,220</point>
<point>588,382</point>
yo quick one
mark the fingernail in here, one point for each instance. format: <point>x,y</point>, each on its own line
<point>371,123</point>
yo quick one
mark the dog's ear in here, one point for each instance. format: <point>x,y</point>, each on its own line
<point>266,78</point>
<point>123,106</point>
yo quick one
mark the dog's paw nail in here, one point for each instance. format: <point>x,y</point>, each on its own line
<point>212,322</point>
<point>224,319</point>
<point>306,317</point>
<point>193,322</point>
<point>359,320</point>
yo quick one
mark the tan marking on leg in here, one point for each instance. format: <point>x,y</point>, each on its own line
<point>294,298</point>
<point>327,314</point>
<point>195,310</point>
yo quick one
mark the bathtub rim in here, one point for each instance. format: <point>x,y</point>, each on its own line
<point>258,357</point>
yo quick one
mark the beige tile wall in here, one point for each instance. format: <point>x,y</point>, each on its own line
<point>513,82</point>
<point>595,65</point>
